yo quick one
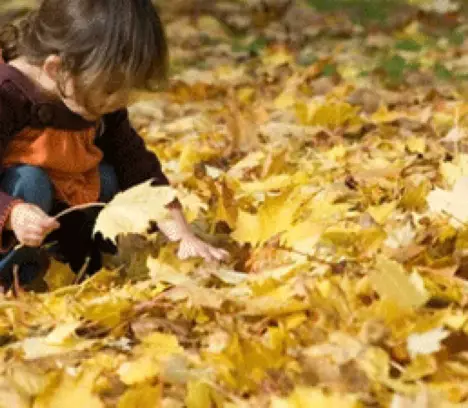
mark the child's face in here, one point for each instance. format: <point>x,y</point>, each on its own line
<point>101,101</point>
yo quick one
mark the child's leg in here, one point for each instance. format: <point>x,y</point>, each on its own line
<point>33,185</point>
<point>30,183</point>
<point>109,182</point>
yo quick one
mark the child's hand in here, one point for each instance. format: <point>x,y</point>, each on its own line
<point>178,229</point>
<point>30,224</point>
<point>192,246</point>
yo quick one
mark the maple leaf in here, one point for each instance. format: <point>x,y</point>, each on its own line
<point>274,217</point>
<point>426,343</point>
<point>312,397</point>
<point>322,158</point>
<point>392,282</point>
<point>73,392</point>
<point>133,210</point>
<point>226,210</point>
<point>452,203</point>
<point>145,395</point>
<point>331,115</point>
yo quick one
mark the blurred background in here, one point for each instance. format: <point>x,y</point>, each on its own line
<point>413,41</point>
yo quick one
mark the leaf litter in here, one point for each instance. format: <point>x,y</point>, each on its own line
<point>331,162</point>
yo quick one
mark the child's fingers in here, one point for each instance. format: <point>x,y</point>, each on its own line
<point>186,251</point>
<point>220,254</point>
<point>207,255</point>
<point>49,223</point>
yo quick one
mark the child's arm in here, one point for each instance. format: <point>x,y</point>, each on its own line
<point>126,151</point>
<point>29,223</point>
<point>134,163</point>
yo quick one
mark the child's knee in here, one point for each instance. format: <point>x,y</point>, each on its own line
<point>109,182</point>
<point>31,183</point>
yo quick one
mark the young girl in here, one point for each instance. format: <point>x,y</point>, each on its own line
<point>65,136</point>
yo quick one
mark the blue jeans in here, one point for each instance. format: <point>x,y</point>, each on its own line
<point>33,185</point>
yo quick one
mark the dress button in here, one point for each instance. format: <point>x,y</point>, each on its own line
<point>43,113</point>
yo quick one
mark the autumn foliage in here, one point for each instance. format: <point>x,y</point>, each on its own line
<point>330,158</point>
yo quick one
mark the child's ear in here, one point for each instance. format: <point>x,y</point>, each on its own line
<point>52,66</point>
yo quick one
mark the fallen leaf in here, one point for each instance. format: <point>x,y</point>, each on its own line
<point>452,203</point>
<point>72,392</point>
<point>144,396</point>
<point>426,343</point>
<point>391,281</point>
<point>133,210</point>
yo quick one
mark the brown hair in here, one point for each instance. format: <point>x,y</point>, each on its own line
<point>107,42</point>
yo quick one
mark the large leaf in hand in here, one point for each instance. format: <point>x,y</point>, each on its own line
<point>133,210</point>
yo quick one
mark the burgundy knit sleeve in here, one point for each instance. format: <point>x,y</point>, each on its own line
<point>11,107</point>
<point>124,149</point>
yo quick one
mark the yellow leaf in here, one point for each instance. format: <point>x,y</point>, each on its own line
<point>28,379</point>
<point>331,114</point>
<point>337,152</point>
<point>381,213</point>
<point>342,236</point>
<point>456,169</point>
<point>106,310</point>
<point>400,237</point>
<point>383,115</point>
<point>192,205</point>
<point>303,397</point>
<point>322,210</point>
<point>276,182</point>
<point>72,392</point>
<point>285,100</point>
<point>252,160</point>
<point>375,363</point>
<point>63,334</point>
<point>191,155</point>
<point>426,343</point>
<point>304,236</point>
<point>248,228</point>
<point>132,210</point>
<point>197,296</point>
<point>414,196</point>
<point>226,209</point>
<point>138,371</point>
<point>278,302</point>
<point>10,397</point>
<point>245,94</point>
<point>421,366</point>
<point>198,395</point>
<point>59,275</point>
<point>451,203</point>
<point>162,344</point>
<point>274,217</point>
<point>163,272</point>
<point>279,57</point>
<point>212,27</point>
<point>144,396</point>
<point>416,145</point>
<point>391,281</point>
<point>37,347</point>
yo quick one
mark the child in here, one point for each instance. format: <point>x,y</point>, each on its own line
<point>65,136</point>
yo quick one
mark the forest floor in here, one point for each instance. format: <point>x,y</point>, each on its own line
<point>326,148</point>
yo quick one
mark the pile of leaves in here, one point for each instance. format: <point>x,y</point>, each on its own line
<point>332,168</point>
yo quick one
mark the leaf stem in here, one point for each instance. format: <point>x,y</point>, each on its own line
<point>78,207</point>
